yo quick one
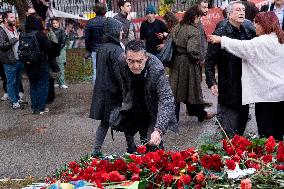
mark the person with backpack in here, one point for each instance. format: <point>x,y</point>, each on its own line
<point>37,65</point>
<point>9,42</point>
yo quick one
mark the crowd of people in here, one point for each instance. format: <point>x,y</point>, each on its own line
<point>132,92</point>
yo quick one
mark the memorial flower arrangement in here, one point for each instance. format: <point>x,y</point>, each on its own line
<point>235,163</point>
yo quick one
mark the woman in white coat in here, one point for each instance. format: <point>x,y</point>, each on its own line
<point>262,72</point>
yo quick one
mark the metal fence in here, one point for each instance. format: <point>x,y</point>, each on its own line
<point>138,6</point>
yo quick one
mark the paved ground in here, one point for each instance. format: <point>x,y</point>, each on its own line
<point>38,144</point>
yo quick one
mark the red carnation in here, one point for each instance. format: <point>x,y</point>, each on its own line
<point>191,168</point>
<point>153,169</point>
<point>270,144</point>
<point>200,177</point>
<point>280,167</point>
<point>114,176</point>
<point>267,158</point>
<point>168,179</point>
<point>230,151</point>
<point>73,165</point>
<point>231,164</point>
<point>135,177</point>
<point>141,149</point>
<point>186,179</point>
<point>133,168</point>
<point>176,156</point>
<point>246,184</point>
<point>89,170</point>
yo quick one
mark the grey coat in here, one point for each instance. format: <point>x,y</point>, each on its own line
<point>185,77</point>
<point>158,94</point>
<point>107,92</point>
<point>6,48</point>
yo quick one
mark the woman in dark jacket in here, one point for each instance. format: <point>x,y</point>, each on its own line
<point>38,73</point>
<point>107,93</point>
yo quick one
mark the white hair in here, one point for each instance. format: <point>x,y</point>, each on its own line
<point>230,6</point>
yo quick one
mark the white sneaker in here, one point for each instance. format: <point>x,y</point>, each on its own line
<point>5,97</point>
<point>64,87</point>
<point>56,85</point>
<point>16,105</point>
<point>21,95</point>
<point>45,111</point>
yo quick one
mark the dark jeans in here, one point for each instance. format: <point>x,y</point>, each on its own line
<point>38,78</point>
<point>4,79</point>
<point>269,119</point>
<point>193,110</point>
<point>234,118</point>
<point>14,76</point>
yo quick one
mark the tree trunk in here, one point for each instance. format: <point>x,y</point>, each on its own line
<point>21,7</point>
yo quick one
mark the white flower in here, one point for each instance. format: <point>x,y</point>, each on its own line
<point>239,173</point>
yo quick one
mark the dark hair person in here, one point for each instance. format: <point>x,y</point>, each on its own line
<point>171,20</point>
<point>262,72</point>
<point>185,75</point>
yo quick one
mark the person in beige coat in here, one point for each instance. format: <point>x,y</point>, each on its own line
<point>185,78</point>
<point>262,72</point>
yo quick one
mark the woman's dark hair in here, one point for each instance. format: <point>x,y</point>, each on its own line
<point>100,9</point>
<point>270,23</point>
<point>171,20</point>
<point>190,15</point>
<point>33,23</point>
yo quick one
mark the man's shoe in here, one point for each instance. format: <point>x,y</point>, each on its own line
<point>21,95</point>
<point>56,85</point>
<point>21,101</point>
<point>45,111</point>
<point>97,154</point>
<point>16,105</point>
<point>64,87</point>
<point>5,97</point>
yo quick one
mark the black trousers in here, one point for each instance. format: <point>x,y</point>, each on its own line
<point>234,118</point>
<point>269,119</point>
<point>193,110</point>
<point>51,91</point>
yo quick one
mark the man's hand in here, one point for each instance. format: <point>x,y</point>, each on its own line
<point>155,138</point>
<point>214,90</point>
<point>214,39</point>
<point>160,47</point>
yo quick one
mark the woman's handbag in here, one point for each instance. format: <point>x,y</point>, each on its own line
<point>167,52</point>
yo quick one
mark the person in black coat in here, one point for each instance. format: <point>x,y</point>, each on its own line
<point>278,8</point>
<point>38,73</point>
<point>107,92</point>
<point>229,90</point>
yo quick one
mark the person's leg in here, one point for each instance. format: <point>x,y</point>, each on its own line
<point>279,123</point>
<point>94,60</point>
<point>51,91</point>
<point>267,117</point>
<point>100,137</point>
<point>61,77</point>
<point>234,118</point>
<point>43,87</point>
<point>3,77</point>
<point>177,110</point>
<point>197,110</point>
<point>19,71</point>
<point>10,71</point>
<point>33,90</point>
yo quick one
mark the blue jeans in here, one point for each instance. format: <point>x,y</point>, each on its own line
<point>38,78</point>
<point>14,76</point>
<point>94,60</point>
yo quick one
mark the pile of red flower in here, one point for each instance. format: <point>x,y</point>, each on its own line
<point>190,168</point>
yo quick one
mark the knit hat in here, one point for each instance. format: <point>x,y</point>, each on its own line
<point>151,9</point>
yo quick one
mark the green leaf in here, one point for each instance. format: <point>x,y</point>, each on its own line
<point>143,184</point>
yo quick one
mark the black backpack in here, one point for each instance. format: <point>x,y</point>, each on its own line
<point>28,50</point>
